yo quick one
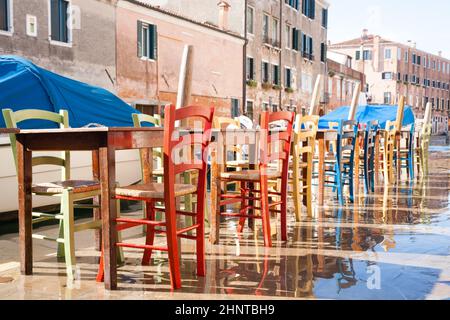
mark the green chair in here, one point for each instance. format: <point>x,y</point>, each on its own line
<point>68,190</point>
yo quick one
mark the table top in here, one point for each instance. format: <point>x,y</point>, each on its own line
<point>7,130</point>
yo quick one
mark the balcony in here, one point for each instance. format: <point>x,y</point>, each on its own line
<point>308,56</point>
<point>271,42</point>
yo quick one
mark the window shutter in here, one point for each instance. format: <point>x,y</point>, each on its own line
<point>154,42</point>
<point>139,39</point>
<point>262,72</point>
<point>313,9</point>
<point>311,51</point>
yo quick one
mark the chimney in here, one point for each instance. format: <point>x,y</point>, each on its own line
<point>365,35</point>
<point>440,53</point>
<point>377,52</point>
<point>223,14</point>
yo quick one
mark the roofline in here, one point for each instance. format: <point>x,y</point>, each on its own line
<point>172,14</point>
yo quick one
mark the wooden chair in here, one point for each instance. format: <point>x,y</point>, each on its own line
<point>302,167</point>
<point>422,142</point>
<point>368,155</point>
<point>67,189</point>
<point>387,152</point>
<point>175,143</point>
<point>339,164</point>
<point>269,142</point>
<point>407,151</point>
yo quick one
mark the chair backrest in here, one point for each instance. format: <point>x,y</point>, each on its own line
<point>275,145</point>
<point>138,120</point>
<point>224,123</point>
<point>346,140</point>
<point>305,133</point>
<point>180,144</point>
<point>370,135</point>
<point>12,120</point>
<point>389,137</point>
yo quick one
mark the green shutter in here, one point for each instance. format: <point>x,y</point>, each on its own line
<point>154,42</point>
<point>139,39</point>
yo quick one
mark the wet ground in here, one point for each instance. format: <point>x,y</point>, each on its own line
<point>393,244</point>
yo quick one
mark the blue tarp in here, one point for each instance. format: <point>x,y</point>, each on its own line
<point>382,113</point>
<point>23,85</point>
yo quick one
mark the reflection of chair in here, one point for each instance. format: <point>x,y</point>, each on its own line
<point>339,164</point>
<point>269,142</point>
<point>407,152</point>
<point>68,190</point>
<point>303,154</point>
<point>175,144</point>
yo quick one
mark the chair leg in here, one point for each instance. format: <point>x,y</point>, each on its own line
<point>174,259</point>
<point>296,189</point>
<point>200,233</point>
<point>69,239</point>
<point>284,210</point>
<point>150,233</point>
<point>351,186</point>
<point>265,212</point>
<point>243,187</point>
<point>120,256</point>
<point>339,184</point>
<point>60,250</point>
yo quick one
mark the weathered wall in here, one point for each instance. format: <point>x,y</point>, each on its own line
<point>92,50</point>
<point>217,60</point>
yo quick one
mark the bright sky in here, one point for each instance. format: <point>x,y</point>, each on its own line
<point>425,22</point>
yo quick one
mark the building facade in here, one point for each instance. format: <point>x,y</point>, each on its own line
<point>75,38</point>
<point>342,81</point>
<point>286,51</point>
<point>394,69</point>
<point>150,44</point>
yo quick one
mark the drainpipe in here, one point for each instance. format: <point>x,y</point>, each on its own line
<point>244,62</point>
<point>280,35</point>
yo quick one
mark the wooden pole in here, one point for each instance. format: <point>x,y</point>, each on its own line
<point>315,96</point>
<point>354,105</point>
<point>185,80</point>
<point>427,116</point>
<point>401,107</point>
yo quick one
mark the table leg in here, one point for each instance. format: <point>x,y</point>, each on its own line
<point>25,177</point>
<point>96,200</point>
<point>109,212</point>
<point>321,165</point>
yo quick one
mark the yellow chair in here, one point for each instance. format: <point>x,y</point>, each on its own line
<point>387,153</point>
<point>421,149</point>
<point>303,153</point>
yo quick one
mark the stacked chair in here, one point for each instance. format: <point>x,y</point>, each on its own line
<point>387,153</point>
<point>251,178</point>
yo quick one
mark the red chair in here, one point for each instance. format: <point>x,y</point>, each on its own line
<point>175,140</point>
<point>273,167</point>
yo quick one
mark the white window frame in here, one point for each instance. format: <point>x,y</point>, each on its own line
<point>148,23</point>
<point>289,35</point>
<point>10,32</point>
<point>28,31</point>
<point>67,44</point>
<point>253,21</point>
<point>386,50</point>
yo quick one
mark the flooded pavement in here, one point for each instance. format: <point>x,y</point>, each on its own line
<point>394,244</point>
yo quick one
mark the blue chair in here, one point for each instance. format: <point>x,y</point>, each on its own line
<point>407,153</point>
<point>340,166</point>
<point>369,156</point>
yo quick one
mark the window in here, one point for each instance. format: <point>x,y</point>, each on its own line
<point>250,69</point>
<point>387,98</point>
<point>424,62</point>
<point>264,72</point>
<point>323,52</point>
<point>31,25</point>
<point>265,31</point>
<point>5,16</point>
<point>288,77</point>
<point>293,3</point>
<point>419,60</point>
<point>387,53</point>
<point>325,18</point>
<point>386,76</point>
<point>147,40</point>
<point>399,53</point>
<point>307,82</point>
<point>59,18</point>
<point>414,58</point>
<point>275,75</point>
<point>275,33</point>
<point>307,47</point>
<point>296,39</point>
<point>405,78</point>
<point>288,34</point>
<point>367,55</point>
<point>358,55</point>
<point>309,8</point>
<point>399,76</point>
<point>250,20</point>
<point>274,107</point>
<point>406,56</point>
<point>235,108</point>
<point>249,109</point>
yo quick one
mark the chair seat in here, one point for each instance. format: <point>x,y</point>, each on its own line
<point>154,190</point>
<point>77,186</point>
<point>238,163</point>
<point>249,175</point>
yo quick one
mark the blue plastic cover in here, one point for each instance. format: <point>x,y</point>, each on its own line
<point>23,85</point>
<point>382,113</point>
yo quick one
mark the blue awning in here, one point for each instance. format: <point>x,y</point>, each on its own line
<point>364,114</point>
<point>23,85</point>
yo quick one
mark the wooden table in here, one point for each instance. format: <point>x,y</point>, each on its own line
<point>105,141</point>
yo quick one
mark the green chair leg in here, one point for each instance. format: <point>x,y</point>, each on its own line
<point>120,256</point>
<point>60,252</point>
<point>69,239</point>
